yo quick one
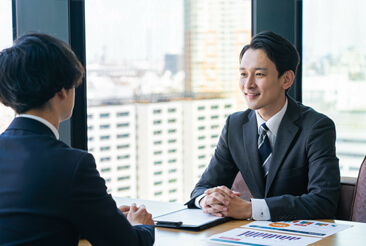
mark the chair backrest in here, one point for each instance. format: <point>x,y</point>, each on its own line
<point>240,186</point>
<point>358,212</point>
<point>346,197</point>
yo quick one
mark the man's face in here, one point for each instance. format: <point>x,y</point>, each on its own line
<point>259,82</point>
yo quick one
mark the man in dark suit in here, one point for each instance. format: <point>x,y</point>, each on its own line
<point>51,193</point>
<point>284,150</point>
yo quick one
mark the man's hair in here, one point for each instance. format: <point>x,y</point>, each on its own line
<point>34,69</point>
<point>278,49</point>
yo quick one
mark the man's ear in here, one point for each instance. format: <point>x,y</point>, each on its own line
<point>288,79</point>
<point>61,94</point>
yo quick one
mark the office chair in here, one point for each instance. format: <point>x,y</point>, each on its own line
<point>358,212</point>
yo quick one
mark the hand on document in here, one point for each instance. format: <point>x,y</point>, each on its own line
<point>221,201</point>
<point>137,215</point>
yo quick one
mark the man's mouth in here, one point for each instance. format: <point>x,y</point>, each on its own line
<point>251,95</point>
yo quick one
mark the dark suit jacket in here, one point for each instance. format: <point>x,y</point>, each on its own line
<point>50,193</point>
<point>303,180</point>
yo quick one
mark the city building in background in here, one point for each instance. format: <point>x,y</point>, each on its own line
<point>174,68</point>
<point>334,73</point>
<point>202,125</point>
<point>214,34</point>
<point>112,140</point>
<point>156,151</point>
<point>160,151</point>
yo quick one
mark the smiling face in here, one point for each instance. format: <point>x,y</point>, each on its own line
<point>263,90</point>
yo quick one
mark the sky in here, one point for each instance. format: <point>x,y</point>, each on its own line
<point>134,30</point>
<point>333,26</point>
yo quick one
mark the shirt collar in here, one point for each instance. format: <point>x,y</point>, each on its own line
<point>274,122</point>
<point>45,122</point>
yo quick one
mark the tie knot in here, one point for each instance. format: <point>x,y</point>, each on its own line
<point>263,129</point>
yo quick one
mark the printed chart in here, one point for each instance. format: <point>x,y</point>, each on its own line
<point>243,236</point>
<point>301,227</point>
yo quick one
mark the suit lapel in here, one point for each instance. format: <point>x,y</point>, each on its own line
<point>250,136</point>
<point>285,136</point>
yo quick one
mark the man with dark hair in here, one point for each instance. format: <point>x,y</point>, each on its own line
<point>51,193</point>
<point>285,151</point>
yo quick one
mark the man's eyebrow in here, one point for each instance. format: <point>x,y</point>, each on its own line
<point>256,68</point>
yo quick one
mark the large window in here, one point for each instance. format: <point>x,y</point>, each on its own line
<point>162,77</point>
<point>334,72</point>
<point>6,114</point>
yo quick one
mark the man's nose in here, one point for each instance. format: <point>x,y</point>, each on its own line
<point>250,82</point>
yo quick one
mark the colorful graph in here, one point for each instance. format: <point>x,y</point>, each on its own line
<point>303,227</point>
<point>265,235</point>
<point>287,230</point>
<point>321,224</point>
<point>303,223</point>
<point>277,224</point>
<point>240,236</point>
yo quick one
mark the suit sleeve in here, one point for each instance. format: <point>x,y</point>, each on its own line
<point>221,170</point>
<point>323,176</point>
<point>95,214</point>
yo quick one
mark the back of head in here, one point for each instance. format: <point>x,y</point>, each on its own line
<point>34,69</point>
<point>278,49</point>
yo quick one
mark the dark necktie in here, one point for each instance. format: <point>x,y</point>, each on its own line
<point>264,147</point>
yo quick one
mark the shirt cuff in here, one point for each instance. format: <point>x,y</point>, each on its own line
<point>198,199</point>
<point>260,210</point>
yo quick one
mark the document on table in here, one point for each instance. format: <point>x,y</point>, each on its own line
<point>301,227</point>
<point>189,219</point>
<point>244,236</point>
<point>154,207</point>
<point>174,215</point>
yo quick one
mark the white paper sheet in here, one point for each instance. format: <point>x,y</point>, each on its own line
<point>189,217</point>
<point>300,227</point>
<point>154,207</point>
<point>244,236</point>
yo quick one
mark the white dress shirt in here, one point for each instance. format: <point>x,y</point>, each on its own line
<point>45,122</point>
<point>260,210</point>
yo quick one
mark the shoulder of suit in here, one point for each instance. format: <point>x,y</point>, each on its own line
<point>307,112</point>
<point>68,152</point>
<point>241,114</point>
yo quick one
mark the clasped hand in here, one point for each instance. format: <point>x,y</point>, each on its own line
<point>221,201</point>
<point>137,215</point>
